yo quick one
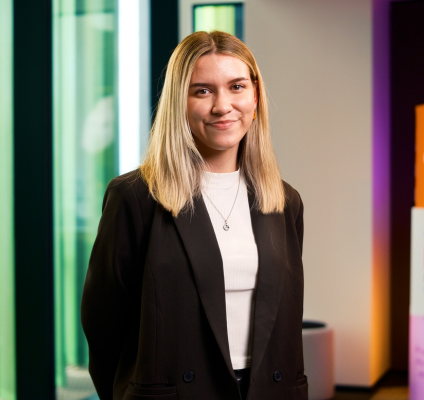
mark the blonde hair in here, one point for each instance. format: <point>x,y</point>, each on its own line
<point>173,165</point>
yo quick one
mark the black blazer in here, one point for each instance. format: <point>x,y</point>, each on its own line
<point>153,306</point>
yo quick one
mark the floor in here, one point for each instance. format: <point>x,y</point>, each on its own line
<point>393,386</point>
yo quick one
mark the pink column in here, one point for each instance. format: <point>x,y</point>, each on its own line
<point>416,357</point>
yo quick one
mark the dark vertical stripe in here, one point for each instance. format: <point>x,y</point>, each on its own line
<point>164,39</point>
<point>407,85</point>
<point>33,198</point>
<point>239,21</point>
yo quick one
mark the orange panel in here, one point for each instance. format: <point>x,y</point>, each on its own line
<point>419,156</point>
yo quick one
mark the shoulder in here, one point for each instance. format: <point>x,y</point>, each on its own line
<point>129,186</point>
<point>294,211</point>
<point>131,182</point>
<point>129,192</point>
<point>293,199</point>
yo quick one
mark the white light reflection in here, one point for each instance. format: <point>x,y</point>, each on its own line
<point>134,81</point>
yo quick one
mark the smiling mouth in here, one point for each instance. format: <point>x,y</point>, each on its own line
<point>223,124</point>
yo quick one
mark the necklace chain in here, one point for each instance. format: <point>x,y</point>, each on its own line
<point>226,227</point>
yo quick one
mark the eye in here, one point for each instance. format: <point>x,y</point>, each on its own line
<point>202,91</point>
<point>238,88</point>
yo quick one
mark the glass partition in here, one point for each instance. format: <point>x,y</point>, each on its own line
<point>221,17</point>
<point>7,281</point>
<point>86,157</point>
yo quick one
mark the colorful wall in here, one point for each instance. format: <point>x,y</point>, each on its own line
<point>331,137</point>
<point>416,319</point>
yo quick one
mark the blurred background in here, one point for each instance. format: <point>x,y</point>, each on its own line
<point>79,82</point>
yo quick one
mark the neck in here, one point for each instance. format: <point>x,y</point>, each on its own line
<point>221,161</point>
<point>221,166</point>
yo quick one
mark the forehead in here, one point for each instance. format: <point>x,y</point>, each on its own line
<point>219,66</point>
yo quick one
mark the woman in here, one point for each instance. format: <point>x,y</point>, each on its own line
<point>195,285</point>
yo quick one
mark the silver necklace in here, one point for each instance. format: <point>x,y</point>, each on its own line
<point>226,227</point>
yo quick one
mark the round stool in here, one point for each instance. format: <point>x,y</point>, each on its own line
<point>318,354</point>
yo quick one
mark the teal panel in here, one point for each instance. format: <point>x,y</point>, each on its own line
<point>85,6</point>
<point>7,282</point>
<point>85,159</point>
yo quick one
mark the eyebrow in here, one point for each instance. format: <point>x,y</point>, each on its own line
<point>202,84</point>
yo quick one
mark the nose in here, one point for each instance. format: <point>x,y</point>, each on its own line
<point>222,104</point>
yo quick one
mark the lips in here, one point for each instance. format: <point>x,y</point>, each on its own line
<point>223,124</point>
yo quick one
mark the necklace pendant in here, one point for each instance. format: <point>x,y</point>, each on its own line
<point>226,226</point>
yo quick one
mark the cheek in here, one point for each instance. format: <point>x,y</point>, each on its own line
<point>248,104</point>
<point>195,112</point>
<point>247,107</point>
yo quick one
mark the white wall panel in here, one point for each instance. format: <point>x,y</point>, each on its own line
<point>316,60</point>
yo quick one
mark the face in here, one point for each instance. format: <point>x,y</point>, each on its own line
<point>221,103</point>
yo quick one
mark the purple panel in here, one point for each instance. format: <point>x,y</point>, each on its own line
<point>391,227</point>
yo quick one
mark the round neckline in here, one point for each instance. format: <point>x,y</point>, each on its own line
<point>220,178</point>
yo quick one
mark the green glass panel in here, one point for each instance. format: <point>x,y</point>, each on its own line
<point>222,17</point>
<point>85,159</point>
<point>7,282</point>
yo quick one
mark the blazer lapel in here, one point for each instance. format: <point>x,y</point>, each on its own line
<point>200,242</point>
<point>269,232</point>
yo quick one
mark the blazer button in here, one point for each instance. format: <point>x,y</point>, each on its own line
<point>188,376</point>
<point>277,376</point>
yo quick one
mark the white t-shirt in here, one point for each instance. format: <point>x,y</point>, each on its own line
<point>239,256</point>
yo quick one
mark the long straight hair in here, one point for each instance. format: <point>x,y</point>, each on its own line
<point>173,165</point>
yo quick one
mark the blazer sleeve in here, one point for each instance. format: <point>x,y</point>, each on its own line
<point>106,300</point>
<point>296,205</point>
<point>299,223</point>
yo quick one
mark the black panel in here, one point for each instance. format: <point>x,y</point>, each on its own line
<point>240,21</point>
<point>407,84</point>
<point>33,198</point>
<point>164,39</point>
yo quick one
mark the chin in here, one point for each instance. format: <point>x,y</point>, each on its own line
<point>224,146</point>
<point>227,143</point>
<point>222,143</point>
